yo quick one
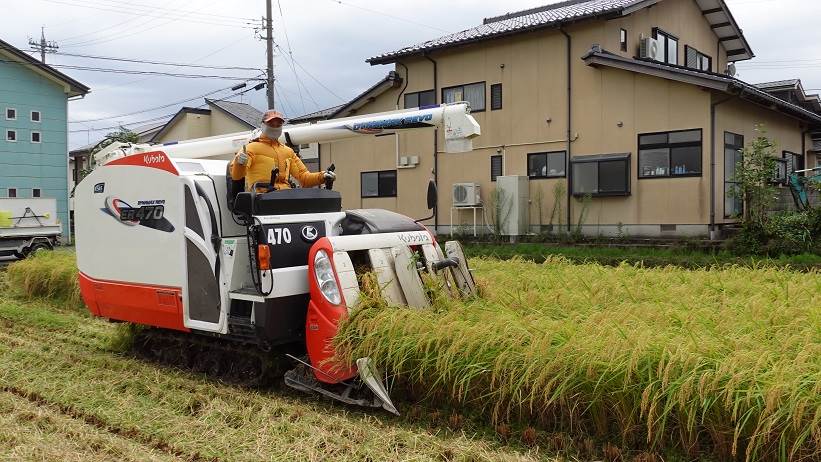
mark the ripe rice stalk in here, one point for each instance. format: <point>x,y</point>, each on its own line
<point>726,358</point>
<point>46,274</point>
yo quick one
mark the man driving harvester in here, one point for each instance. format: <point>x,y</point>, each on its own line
<point>263,155</point>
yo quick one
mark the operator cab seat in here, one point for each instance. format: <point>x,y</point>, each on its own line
<point>281,202</point>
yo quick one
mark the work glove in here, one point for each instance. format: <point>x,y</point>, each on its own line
<point>327,175</point>
<point>242,157</point>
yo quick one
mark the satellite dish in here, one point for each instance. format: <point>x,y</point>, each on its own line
<point>731,70</point>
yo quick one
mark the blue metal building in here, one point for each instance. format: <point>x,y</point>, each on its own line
<point>34,129</point>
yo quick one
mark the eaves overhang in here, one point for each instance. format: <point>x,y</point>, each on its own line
<point>597,57</point>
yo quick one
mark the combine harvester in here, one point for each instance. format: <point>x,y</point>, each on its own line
<point>166,239</point>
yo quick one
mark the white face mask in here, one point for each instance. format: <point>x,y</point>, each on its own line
<point>271,132</point>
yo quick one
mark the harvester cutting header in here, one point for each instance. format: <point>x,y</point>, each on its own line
<point>167,238</point>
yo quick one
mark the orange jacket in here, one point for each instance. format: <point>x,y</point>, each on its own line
<point>264,155</point>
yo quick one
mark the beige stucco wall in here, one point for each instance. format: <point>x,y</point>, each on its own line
<point>610,108</point>
<point>742,118</point>
<point>189,126</point>
<point>221,123</point>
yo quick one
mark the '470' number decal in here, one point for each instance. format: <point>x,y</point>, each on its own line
<point>278,236</point>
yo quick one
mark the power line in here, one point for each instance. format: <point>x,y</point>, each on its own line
<point>97,90</point>
<point>186,13</point>
<point>159,63</point>
<point>291,52</point>
<point>129,71</point>
<point>154,119</point>
<point>99,37</point>
<point>149,13</point>
<point>142,111</point>
<point>294,61</point>
<point>398,18</point>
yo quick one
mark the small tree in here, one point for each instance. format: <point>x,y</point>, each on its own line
<point>122,135</point>
<point>754,178</point>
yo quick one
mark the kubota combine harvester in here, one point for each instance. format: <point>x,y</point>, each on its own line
<point>166,239</point>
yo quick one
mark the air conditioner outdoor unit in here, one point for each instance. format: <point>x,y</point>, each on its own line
<point>466,195</point>
<point>650,49</point>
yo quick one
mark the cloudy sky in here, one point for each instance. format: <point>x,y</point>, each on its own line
<point>328,41</point>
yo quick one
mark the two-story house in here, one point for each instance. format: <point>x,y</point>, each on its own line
<point>34,129</point>
<point>632,103</point>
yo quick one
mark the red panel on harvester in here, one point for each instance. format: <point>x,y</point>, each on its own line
<point>320,331</point>
<point>137,303</point>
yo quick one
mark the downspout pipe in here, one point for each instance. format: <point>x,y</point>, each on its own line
<point>398,98</point>
<point>713,140</point>
<point>435,140</point>
<point>568,170</point>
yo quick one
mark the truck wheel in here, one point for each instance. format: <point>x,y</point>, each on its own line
<point>39,246</point>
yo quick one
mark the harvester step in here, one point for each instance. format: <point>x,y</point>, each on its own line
<point>249,294</point>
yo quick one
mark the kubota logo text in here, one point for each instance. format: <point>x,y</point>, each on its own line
<point>153,159</point>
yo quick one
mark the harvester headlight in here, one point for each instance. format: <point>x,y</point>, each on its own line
<point>323,270</point>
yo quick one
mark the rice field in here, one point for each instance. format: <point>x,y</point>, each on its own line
<point>724,361</point>
<point>561,360</point>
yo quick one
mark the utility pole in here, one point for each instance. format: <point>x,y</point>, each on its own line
<point>43,46</point>
<point>269,40</point>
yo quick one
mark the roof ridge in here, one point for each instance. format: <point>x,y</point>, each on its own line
<point>538,9</point>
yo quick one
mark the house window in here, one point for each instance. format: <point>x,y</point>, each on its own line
<point>12,192</point>
<point>378,184</point>
<point>35,192</point>
<point>495,96</point>
<point>11,135</point>
<point>795,162</point>
<point>35,137</point>
<point>623,39</point>
<point>605,175</point>
<point>546,164</point>
<point>35,116</point>
<point>697,60</point>
<point>669,154</point>
<point>780,174</point>
<point>668,45</point>
<point>496,167</point>
<point>733,146</point>
<point>473,93</point>
<point>420,99</point>
<point>11,113</point>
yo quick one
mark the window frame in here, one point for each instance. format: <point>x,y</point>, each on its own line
<point>669,146</point>
<point>726,182</point>
<point>501,159</point>
<point>623,39</point>
<point>777,178</point>
<point>11,130</point>
<point>462,86</point>
<point>36,192</point>
<point>501,96</point>
<point>418,95</point>
<point>39,137</point>
<point>598,159</point>
<point>547,154</point>
<point>699,56</point>
<point>39,116</point>
<point>11,193</point>
<point>667,37</point>
<point>378,193</point>
<point>6,113</point>
<point>791,162</point>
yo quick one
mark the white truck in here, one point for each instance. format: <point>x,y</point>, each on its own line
<point>27,225</point>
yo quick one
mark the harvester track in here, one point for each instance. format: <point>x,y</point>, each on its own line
<point>224,360</point>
